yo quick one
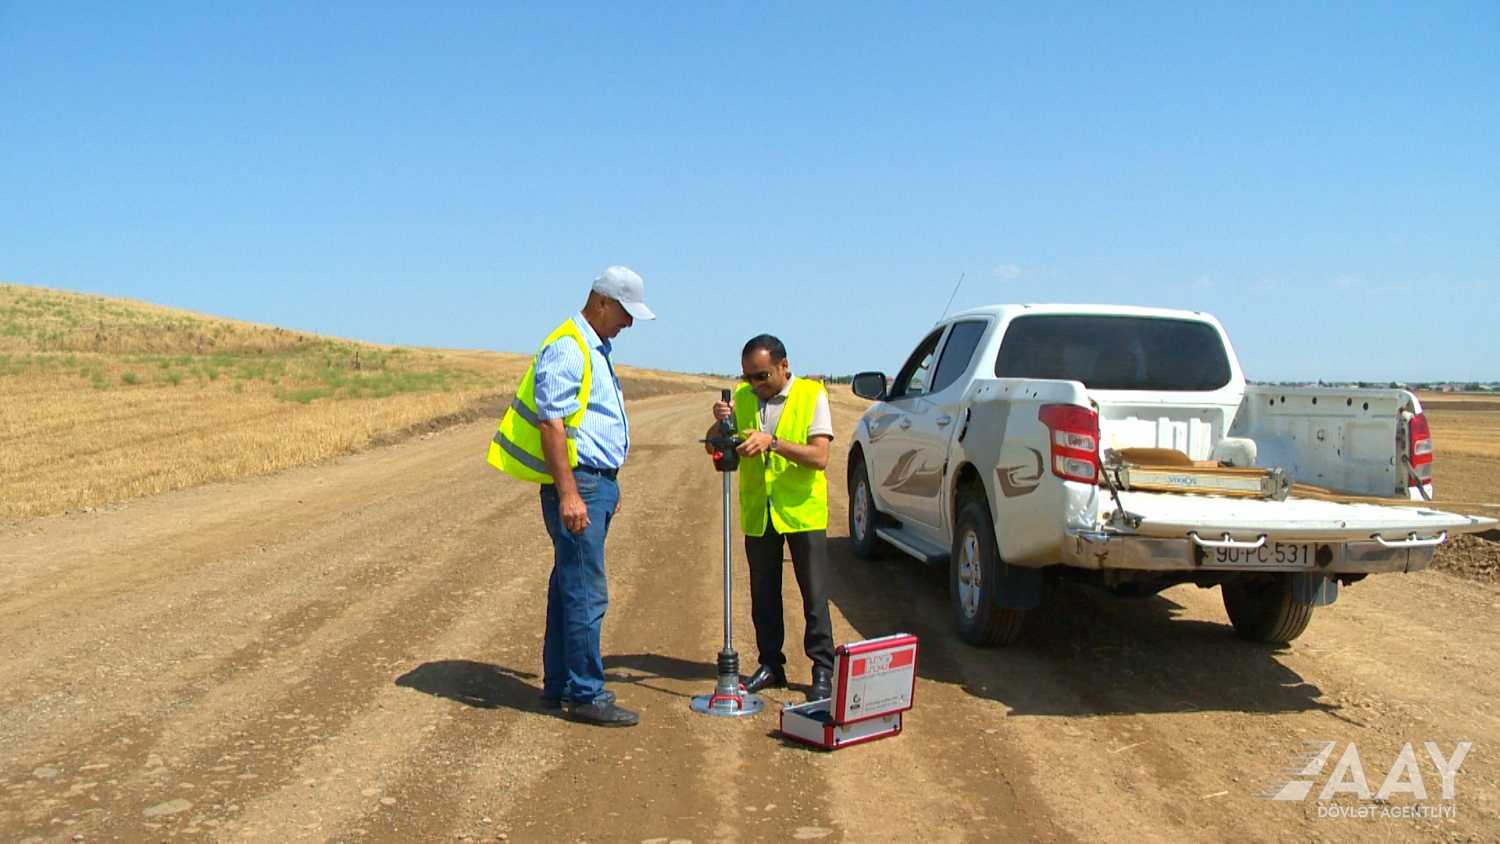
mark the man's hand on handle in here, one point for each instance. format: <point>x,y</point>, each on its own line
<point>722,410</point>
<point>757,442</point>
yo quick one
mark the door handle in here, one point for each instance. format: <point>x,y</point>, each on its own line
<point>905,422</point>
<point>944,421</point>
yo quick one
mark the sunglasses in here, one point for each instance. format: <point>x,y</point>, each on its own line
<point>763,375</point>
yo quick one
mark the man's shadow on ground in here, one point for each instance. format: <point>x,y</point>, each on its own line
<point>477,684</point>
<point>485,686</point>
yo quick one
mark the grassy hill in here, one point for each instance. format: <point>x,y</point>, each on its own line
<point>104,399</point>
<point>114,343</point>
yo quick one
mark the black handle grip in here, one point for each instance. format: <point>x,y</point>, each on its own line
<point>726,426</point>
<point>726,442</point>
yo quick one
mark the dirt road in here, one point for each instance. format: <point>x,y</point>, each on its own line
<point>352,652</point>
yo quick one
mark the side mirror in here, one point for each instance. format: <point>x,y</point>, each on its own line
<point>869,385</point>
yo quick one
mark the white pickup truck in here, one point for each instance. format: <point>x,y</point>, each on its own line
<point>1021,444</point>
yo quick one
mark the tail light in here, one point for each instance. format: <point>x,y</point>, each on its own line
<point>1075,441</point>
<point>1419,450</point>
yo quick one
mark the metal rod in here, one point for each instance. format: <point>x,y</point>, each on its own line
<point>728,592</point>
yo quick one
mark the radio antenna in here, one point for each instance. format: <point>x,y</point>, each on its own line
<point>950,297</point>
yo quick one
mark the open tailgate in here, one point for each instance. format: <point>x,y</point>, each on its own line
<point>1173,515</point>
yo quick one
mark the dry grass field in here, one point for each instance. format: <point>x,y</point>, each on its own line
<point>103,400</point>
<point>1464,424</point>
<point>1466,433</point>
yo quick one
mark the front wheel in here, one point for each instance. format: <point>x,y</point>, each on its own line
<point>973,577</point>
<point>862,515</point>
<point>1261,608</point>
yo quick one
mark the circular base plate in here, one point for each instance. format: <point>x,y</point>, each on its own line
<point>750,704</point>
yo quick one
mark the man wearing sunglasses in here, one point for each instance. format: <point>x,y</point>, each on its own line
<point>566,431</point>
<point>787,429</point>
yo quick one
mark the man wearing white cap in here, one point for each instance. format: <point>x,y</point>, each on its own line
<point>566,430</point>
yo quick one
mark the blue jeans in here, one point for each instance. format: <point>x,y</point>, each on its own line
<point>577,594</point>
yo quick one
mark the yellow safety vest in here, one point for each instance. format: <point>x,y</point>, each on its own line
<point>798,495</point>
<point>516,448</point>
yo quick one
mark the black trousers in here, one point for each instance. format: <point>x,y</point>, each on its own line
<point>810,564</point>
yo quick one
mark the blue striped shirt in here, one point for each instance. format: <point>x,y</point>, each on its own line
<point>604,434</point>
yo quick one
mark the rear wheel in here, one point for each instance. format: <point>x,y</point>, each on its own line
<point>973,577</point>
<point>1261,608</point>
<point>862,515</point>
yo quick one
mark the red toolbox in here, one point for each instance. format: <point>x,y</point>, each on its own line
<point>873,683</point>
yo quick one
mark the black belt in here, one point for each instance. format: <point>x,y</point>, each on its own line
<point>594,470</point>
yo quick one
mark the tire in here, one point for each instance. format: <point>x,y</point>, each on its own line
<point>862,515</point>
<point>1262,610</point>
<point>973,575</point>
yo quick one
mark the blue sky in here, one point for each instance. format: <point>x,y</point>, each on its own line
<point>1326,180</point>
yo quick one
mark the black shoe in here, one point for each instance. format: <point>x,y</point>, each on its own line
<point>822,685</point>
<point>557,702</point>
<point>766,677</point>
<point>603,714</point>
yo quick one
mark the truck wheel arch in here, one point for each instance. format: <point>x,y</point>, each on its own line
<point>856,457</point>
<point>967,483</point>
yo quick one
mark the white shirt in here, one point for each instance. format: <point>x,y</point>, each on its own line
<point>770,412</point>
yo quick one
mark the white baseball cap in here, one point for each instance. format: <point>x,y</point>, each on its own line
<point>625,286</point>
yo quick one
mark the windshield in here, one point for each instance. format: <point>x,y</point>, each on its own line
<point>1115,352</point>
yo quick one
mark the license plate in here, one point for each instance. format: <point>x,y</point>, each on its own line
<point>1271,554</point>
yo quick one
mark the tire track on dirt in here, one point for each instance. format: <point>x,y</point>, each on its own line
<point>398,704</point>
<point>283,652</point>
<point>152,541</point>
<point>265,592</point>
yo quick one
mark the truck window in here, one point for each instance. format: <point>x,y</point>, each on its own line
<point>1115,352</point>
<point>963,339</point>
<point>912,379</point>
